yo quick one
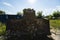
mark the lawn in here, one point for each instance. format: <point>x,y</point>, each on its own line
<point>55,24</point>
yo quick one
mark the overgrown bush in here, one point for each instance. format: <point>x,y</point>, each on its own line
<point>2,28</point>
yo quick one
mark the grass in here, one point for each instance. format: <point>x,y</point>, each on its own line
<point>55,24</point>
<point>2,28</point>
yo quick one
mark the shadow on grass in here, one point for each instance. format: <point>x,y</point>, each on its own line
<point>24,37</point>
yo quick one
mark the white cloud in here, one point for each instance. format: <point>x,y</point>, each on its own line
<point>49,11</point>
<point>31,1</point>
<point>58,8</point>
<point>55,9</point>
<point>8,4</point>
<point>10,13</point>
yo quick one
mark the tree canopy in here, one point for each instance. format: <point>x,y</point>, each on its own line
<point>19,13</point>
<point>39,14</point>
<point>56,14</point>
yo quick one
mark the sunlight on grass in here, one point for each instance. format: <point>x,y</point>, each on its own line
<point>55,24</point>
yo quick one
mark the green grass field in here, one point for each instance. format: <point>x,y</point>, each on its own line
<point>55,24</point>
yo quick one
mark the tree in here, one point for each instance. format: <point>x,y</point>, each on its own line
<point>49,16</point>
<point>56,14</point>
<point>39,14</point>
<point>19,13</point>
<point>2,12</point>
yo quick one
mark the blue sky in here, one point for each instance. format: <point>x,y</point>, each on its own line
<point>14,6</point>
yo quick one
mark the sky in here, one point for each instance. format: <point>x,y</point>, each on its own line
<point>14,6</point>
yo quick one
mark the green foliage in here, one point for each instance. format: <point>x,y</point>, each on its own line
<point>2,12</point>
<point>2,28</point>
<point>55,24</point>
<point>39,14</point>
<point>49,17</point>
<point>56,14</point>
<point>19,13</point>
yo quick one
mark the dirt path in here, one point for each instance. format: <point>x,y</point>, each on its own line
<point>56,35</point>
